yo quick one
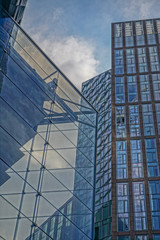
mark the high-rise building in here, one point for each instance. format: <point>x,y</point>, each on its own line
<point>98,91</point>
<point>135,128</point>
<point>47,145</point>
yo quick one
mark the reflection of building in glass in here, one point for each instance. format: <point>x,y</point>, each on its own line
<point>98,91</point>
<point>43,116</point>
<point>15,8</point>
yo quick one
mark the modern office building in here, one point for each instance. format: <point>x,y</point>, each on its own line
<point>98,91</point>
<point>47,145</point>
<point>135,129</point>
<point>134,174</point>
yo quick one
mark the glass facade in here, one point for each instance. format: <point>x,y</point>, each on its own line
<point>135,129</point>
<point>98,91</point>
<point>48,139</point>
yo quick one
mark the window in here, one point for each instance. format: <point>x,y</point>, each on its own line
<point>136,158</point>
<point>145,88</point>
<point>123,237</point>
<point>153,53</point>
<point>132,89</point>
<point>154,187</point>
<point>141,237</point>
<point>151,156</point>
<point>121,147</point>
<point>134,121</point>
<point>129,34</point>
<point>130,61</point>
<point>118,35</point>
<point>158,28</point>
<point>158,115</point>
<point>148,120</point>
<point>139,206</point>
<point>156,236</point>
<point>123,207</point>
<point>139,33</point>
<point>156,86</point>
<point>150,32</point>
<point>119,62</point>
<point>120,122</point>
<point>142,61</point>
<point>119,89</point>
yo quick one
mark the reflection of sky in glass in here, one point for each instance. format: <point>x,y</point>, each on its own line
<point>50,130</point>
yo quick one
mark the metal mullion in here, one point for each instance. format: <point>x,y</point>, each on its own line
<point>42,169</point>
<point>23,192</point>
<point>49,97</point>
<point>48,59</point>
<point>43,138</point>
<point>52,175</point>
<point>24,215</point>
<point>57,86</point>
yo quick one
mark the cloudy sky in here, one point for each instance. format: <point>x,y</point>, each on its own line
<point>76,34</point>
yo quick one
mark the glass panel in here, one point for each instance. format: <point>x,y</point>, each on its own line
<point>132,89</point>
<point>154,202</point>
<point>150,32</point>
<point>119,90</point>
<point>123,237</point>
<point>142,60</point>
<point>130,60</point>
<point>141,237</point>
<point>158,115</point>
<point>122,168</point>
<point>139,33</point>
<point>156,86</point>
<point>148,120</point>
<point>118,35</point>
<point>137,159</point>
<point>152,159</point>
<point>120,122</point>
<point>134,121</point>
<point>129,34</point>
<point>145,88</point>
<point>123,207</point>
<point>119,62</point>
<point>140,219</point>
<point>154,59</point>
<point>158,28</point>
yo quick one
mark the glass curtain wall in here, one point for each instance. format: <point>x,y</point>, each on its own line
<point>98,91</point>
<point>48,137</point>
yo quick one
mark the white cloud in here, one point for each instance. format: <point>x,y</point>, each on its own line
<point>140,8</point>
<point>74,56</point>
<point>57,14</point>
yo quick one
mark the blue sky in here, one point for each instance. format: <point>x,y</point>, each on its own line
<point>76,34</point>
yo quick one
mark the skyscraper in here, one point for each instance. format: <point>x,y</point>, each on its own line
<point>98,91</point>
<point>135,128</point>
